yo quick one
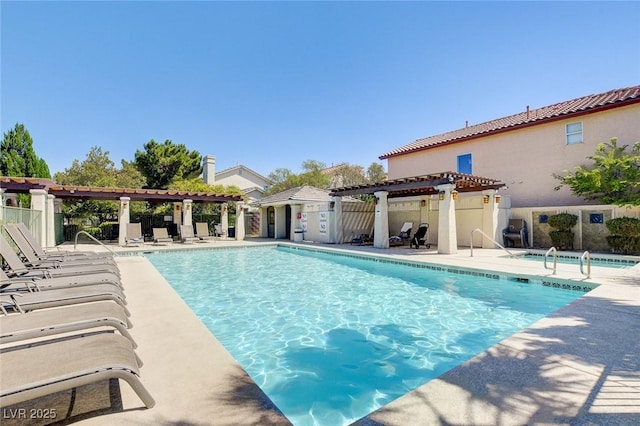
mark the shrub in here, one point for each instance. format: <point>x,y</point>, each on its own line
<point>562,236</point>
<point>625,235</point>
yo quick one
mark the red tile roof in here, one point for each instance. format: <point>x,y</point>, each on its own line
<point>580,106</point>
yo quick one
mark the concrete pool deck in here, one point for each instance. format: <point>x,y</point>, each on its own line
<point>579,365</point>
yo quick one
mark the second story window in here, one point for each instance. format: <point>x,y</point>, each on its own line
<point>464,164</point>
<point>574,133</point>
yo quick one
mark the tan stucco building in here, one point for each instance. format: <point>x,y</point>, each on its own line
<point>526,149</point>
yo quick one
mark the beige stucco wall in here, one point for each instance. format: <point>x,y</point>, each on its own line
<point>526,159</point>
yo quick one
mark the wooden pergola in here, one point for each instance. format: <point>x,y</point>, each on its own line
<point>422,185</point>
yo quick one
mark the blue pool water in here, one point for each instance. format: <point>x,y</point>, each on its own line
<point>331,338</point>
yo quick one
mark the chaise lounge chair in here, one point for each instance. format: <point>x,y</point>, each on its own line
<point>516,232</point>
<point>218,231</point>
<point>161,236</point>
<point>18,268</point>
<point>186,234</point>
<point>420,237</point>
<point>61,254</point>
<point>49,322</point>
<point>44,284</point>
<point>403,236</point>
<point>30,372</point>
<point>202,231</point>
<point>29,301</point>
<point>34,259</point>
<point>362,238</point>
<point>134,235</point>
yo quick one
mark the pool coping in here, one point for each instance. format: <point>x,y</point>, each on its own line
<point>559,378</point>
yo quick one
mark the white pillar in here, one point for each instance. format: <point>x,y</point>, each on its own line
<point>336,224</point>
<point>123,220</point>
<point>51,231</point>
<point>381,221</point>
<point>296,210</point>
<point>240,221</point>
<point>186,212</point>
<point>224,219</point>
<point>447,237</point>
<point>177,215</point>
<point>489,218</point>
<point>39,203</point>
<point>209,169</point>
<point>1,203</point>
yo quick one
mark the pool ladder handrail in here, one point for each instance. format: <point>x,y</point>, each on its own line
<point>490,239</point>
<point>75,244</point>
<point>555,259</point>
<point>586,255</point>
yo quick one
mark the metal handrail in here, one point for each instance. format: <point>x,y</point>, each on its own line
<point>75,244</point>
<point>555,259</point>
<point>490,239</point>
<point>588,256</point>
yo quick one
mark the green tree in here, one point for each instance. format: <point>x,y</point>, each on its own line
<point>347,175</point>
<point>613,178</point>
<point>376,173</point>
<point>162,164</point>
<point>17,157</point>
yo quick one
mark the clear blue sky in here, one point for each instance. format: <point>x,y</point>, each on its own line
<point>271,84</point>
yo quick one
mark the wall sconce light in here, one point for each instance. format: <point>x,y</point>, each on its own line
<point>497,197</point>
<point>332,204</point>
<point>125,205</point>
<point>177,208</point>
<point>441,195</point>
<point>188,207</point>
<point>375,200</point>
<point>485,199</point>
<point>454,194</point>
<point>423,203</point>
<point>224,208</point>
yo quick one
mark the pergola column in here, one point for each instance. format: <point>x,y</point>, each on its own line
<point>39,203</point>
<point>224,219</point>
<point>51,232</point>
<point>240,221</point>
<point>186,213</point>
<point>489,217</point>
<point>1,203</point>
<point>336,226</point>
<point>447,236</point>
<point>381,221</point>
<point>123,220</point>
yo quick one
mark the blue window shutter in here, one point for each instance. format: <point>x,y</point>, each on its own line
<point>464,164</point>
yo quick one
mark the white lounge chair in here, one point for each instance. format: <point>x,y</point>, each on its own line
<point>161,236</point>
<point>186,234</point>
<point>202,231</point>
<point>134,235</point>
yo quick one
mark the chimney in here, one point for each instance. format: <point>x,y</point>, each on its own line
<point>209,169</point>
<point>527,112</point>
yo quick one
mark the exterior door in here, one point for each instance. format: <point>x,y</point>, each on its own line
<point>271,222</point>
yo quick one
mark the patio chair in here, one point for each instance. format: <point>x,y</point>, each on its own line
<point>362,238</point>
<point>161,236</point>
<point>218,231</point>
<point>43,284</point>
<point>51,368</point>
<point>29,301</point>
<point>55,254</point>
<point>403,236</point>
<point>186,234</point>
<point>18,267</point>
<point>134,235</point>
<point>202,231</point>
<point>33,258</point>
<point>50,322</point>
<point>516,232</point>
<point>420,237</point>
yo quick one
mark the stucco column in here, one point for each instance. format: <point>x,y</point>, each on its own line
<point>296,210</point>
<point>51,231</point>
<point>240,221</point>
<point>381,221</point>
<point>489,218</point>
<point>186,212</point>
<point>447,236</point>
<point>177,215</point>
<point>123,220</point>
<point>1,203</point>
<point>224,219</point>
<point>336,225</point>
<point>39,203</point>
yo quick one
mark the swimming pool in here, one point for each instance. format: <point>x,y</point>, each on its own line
<point>331,338</point>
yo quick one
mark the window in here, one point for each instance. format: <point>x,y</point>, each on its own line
<point>574,133</point>
<point>464,164</point>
